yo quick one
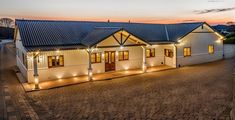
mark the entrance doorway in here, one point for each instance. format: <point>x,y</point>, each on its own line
<point>109,60</point>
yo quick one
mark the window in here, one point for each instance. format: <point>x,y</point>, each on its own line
<point>187,51</point>
<point>96,58</point>
<point>55,61</point>
<point>168,53</point>
<point>150,53</point>
<point>24,60</point>
<point>123,55</point>
<point>211,49</point>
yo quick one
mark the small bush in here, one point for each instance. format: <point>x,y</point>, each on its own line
<point>230,35</point>
<point>230,40</point>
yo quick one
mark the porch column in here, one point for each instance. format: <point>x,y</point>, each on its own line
<point>144,64</point>
<point>89,65</point>
<point>35,69</point>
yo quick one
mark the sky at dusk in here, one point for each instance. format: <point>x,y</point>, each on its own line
<point>147,11</point>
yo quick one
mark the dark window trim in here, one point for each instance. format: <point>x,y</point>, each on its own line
<point>170,53</point>
<point>123,58</point>
<point>150,50</point>
<point>96,57</point>
<point>190,52</point>
<point>56,65</point>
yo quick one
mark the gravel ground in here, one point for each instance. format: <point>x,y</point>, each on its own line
<point>195,92</point>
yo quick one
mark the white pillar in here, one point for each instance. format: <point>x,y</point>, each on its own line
<point>144,64</point>
<point>35,69</point>
<point>175,56</point>
<point>90,74</point>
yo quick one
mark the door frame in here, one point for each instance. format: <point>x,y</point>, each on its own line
<point>110,60</point>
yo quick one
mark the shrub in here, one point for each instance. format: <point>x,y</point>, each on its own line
<point>230,40</point>
<point>230,35</point>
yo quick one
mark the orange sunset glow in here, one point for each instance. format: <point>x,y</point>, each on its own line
<point>146,11</point>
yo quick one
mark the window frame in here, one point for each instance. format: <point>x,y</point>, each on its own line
<point>24,60</point>
<point>213,50</point>
<point>96,60</point>
<point>56,61</point>
<point>150,51</point>
<point>170,53</point>
<point>123,55</point>
<point>190,53</point>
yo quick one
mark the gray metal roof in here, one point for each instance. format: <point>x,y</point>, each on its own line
<point>52,48</point>
<point>98,34</point>
<point>42,33</point>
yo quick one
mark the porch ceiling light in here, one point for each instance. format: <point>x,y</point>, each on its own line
<point>121,46</point>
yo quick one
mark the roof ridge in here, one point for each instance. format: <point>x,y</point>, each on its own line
<point>107,22</point>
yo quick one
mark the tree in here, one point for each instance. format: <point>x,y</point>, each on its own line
<point>6,22</point>
<point>230,23</point>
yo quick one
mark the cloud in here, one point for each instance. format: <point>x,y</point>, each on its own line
<point>189,20</point>
<point>213,10</point>
<point>215,1</point>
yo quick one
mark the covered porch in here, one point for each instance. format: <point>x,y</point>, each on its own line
<point>28,87</point>
<point>110,52</point>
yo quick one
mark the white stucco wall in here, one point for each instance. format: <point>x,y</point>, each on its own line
<point>199,40</point>
<point>76,61</point>
<point>229,50</point>
<point>19,50</point>
<point>159,58</point>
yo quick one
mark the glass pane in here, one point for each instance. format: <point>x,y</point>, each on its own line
<point>152,52</point>
<point>147,53</point>
<point>49,61</point>
<point>98,57</point>
<point>120,55</point>
<point>106,57</point>
<point>93,58</point>
<point>113,57</point>
<point>126,55</point>
<point>61,60</point>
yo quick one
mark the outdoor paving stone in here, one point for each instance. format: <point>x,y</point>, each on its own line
<point>10,109</point>
<point>197,92</point>
<point>12,118</point>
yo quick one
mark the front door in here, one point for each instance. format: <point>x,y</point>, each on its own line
<point>109,60</point>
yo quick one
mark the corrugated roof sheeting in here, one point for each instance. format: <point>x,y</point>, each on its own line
<point>177,31</point>
<point>53,48</point>
<point>98,34</point>
<point>58,33</point>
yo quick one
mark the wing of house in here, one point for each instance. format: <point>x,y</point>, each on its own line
<point>68,48</point>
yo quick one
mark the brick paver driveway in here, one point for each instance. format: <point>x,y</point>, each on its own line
<point>195,92</point>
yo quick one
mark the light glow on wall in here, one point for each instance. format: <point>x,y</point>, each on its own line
<point>126,68</point>
<point>218,41</point>
<point>74,74</point>
<point>59,76</point>
<point>57,51</point>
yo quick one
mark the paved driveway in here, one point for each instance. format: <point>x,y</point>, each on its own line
<point>195,92</point>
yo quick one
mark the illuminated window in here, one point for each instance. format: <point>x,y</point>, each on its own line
<point>96,58</point>
<point>150,53</point>
<point>187,51</point>
<point>168,53</point>
<point>123,55</point>
<point>55,61</point>
<point>211,49</point>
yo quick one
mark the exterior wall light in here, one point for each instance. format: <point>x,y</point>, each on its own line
<point>57,50</point>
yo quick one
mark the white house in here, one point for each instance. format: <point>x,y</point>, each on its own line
<point>48,50</point>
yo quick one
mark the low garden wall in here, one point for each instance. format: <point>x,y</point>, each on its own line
<point>229,50</point>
